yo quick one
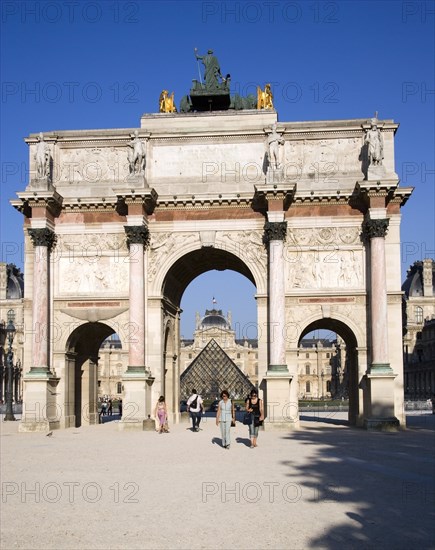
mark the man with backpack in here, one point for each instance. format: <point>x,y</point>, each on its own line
<point>195,408</point>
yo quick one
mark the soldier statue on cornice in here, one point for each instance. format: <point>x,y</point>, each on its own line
<point>375,143</point>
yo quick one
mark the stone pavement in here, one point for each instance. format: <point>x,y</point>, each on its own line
<point>324,486</point>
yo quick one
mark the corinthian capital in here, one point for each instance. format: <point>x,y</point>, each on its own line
<point>43,237</point>
<point>375,228</point>
<point>274,231</point>
<point>137,234</point>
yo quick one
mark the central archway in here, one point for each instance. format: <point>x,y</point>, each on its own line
<point>178,277</point>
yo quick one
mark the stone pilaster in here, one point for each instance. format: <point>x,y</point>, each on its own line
<point>40,411</point>
<point>379,414</point>
<point>43,241</point>
<point>274,237</point>
<point>136,377</point>
<point>375,231</point>
<point>277,385</point>
<point>137,240</point>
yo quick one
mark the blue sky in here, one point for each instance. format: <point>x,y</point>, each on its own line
<point>76,65</point>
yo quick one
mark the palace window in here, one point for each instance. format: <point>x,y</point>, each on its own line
<point>418,314</point>
<point>307,387</point>
<point>328,386</point>
<point>307,356</point>
<point>119,387</point>
<point>307,369</point>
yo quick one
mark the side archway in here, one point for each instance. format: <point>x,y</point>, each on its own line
<point>351,370</point>
<point>81,385</point>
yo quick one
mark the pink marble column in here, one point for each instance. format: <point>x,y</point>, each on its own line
<point>137,239</point>
<point>376,230</point>
<point>43,240</point>
<point>275,233</point>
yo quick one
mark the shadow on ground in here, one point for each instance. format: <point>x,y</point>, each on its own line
<point>386,479</point>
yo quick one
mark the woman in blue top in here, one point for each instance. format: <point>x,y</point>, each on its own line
<point>225,414</point>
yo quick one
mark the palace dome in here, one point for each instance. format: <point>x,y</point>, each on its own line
<point>214,318</point>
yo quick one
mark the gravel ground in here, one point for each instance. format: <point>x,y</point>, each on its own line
<point>324,486</point>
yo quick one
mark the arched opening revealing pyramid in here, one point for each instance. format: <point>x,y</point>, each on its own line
<point>213,371</point>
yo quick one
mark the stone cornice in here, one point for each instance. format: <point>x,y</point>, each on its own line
<point>291,131</point>
<point>322,197</point>
<point>204,201</point>
<point>89,204</point>
<point>271,192</point>
<point>145,197</point>
<point>51,200</point>
<point>401,195</point>
<point>376,187</point>
<point>387,188</point>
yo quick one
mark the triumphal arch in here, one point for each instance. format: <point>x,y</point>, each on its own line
<point>118,222</point>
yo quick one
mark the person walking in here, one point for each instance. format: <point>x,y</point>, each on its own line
<point>254,405</point>
<point>161,414</point>
<point>102,412</point>
<point>224,416</point>
<point>195,407</point>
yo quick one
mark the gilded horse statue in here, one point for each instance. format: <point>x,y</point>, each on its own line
<point>166,102</point>
<point>264,98</point>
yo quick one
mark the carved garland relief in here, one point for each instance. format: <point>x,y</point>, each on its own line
<point>162,245</point>
<point>248,245</point>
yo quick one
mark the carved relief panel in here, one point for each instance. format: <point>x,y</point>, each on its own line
<point>92,264</point>
<point>324,258</point>
<point>91,165</point>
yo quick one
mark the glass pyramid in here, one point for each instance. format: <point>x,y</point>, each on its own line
<point>213,371</point>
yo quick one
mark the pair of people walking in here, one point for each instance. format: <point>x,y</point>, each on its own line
<point>226,417</point>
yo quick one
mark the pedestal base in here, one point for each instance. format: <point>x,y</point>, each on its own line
<point>379,411</point>
<point>41,413</point>
<point>280,405</point>
<point>136,399</point>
